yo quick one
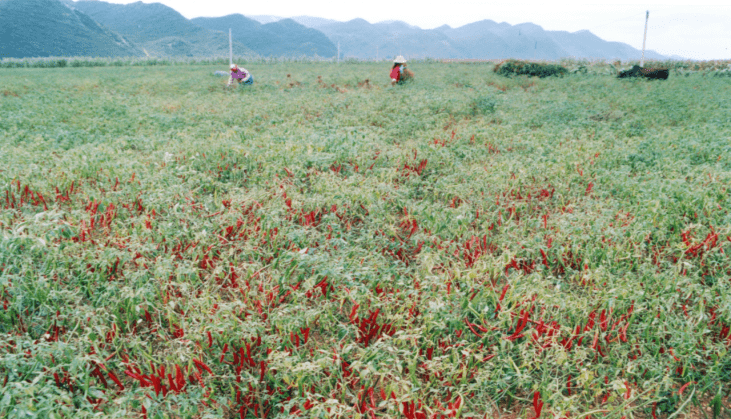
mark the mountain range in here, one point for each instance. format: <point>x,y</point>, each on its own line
<point>280,38</point>
<point>38,28</point>
<point>157,28</point>
<point>484,39</point>
<point>42,28</point>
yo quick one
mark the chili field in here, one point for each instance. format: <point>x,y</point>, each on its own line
<point>321,244</point>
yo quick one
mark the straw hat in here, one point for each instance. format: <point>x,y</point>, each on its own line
<point>233,66</point>
<point>399,60</point>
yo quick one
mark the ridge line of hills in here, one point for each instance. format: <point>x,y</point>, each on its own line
<point>484,39</point>
<point>42,28</point>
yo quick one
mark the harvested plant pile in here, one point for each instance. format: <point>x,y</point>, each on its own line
<point>648,73</point>
<point>511,68</point>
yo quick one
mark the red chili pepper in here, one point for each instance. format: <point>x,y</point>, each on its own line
<point>537,404</point>
<point>603,320</point>
<point>172,384</point>
<point>202,366</point>
<point>472,329</point>
<point>115,379</point>
<point>545,259</point>
<point>179,377</point>
<point>599,349</point>
<point>133,375</point>
<point>521,323</point>
<point>606,396</point>
<point>682,389</point>
<point>505,290</point>
<point>353,312</point>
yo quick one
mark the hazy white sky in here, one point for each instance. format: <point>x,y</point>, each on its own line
<point>675,27</point>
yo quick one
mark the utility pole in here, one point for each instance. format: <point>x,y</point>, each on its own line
<point>338,51</point>
<point>230,49</point>
<point>376,52</point>
<point>647,17</point>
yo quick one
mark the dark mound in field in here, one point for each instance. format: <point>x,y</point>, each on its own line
<point>648,73</point>
<point>526,68</point>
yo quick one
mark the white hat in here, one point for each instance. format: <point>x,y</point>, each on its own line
<point>399,60</point>
<point>232,66</point>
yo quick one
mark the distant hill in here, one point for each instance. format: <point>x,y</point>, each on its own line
<point>490,39</point>
<point>361,39</point>
<point>160,30</point>
<point>95,28</point>
<point>484,39</point>
<point>281,38</point>
<point>43,28</point>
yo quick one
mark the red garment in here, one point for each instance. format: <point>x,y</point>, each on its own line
<point>395,73</point>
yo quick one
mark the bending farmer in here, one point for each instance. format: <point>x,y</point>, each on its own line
<point>240,75</point>
<point>399,73</point>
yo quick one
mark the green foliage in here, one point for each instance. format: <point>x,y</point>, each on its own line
<point>526,68</point>
<point>462,242</point>
<point>483,105</point>
<point>54,62</point>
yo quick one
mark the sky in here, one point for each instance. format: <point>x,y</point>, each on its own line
<point>700,32</point>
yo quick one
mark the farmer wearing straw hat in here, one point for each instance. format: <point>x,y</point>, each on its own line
<point>240,75</point>
<point>399,73</point>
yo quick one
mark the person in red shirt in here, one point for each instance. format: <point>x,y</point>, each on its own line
<point>399,73</point>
